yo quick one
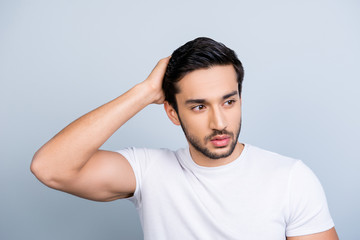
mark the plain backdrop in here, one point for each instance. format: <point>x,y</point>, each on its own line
<point>61,59</point>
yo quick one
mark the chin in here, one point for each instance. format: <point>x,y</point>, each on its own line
<point>220,153</point>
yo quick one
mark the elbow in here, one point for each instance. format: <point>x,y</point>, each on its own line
<point>35,165</point>
<point>41,171</point>
<point>49,172</point>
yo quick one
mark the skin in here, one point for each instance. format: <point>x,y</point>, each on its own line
<point>72,162</point>
<point>214,107</point>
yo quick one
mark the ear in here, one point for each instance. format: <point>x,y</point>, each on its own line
<point>172,114</point>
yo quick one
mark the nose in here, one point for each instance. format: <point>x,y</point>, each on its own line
<point>217,119</point>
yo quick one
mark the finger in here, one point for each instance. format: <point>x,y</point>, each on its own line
<point>160,67</point>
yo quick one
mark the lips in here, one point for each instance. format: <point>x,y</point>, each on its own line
<point>220,140</point>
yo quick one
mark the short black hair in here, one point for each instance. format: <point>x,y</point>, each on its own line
<point>200,53</point>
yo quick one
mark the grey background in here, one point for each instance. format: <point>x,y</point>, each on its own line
<point>61,59</point>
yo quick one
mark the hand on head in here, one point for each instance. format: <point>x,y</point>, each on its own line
<point>154,80</point>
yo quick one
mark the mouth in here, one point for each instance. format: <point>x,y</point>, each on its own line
<point>220,140</point>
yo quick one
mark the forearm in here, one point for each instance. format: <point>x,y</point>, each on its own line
<point>71,148</point>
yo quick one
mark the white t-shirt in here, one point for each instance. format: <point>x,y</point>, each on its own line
<point>260,195</point>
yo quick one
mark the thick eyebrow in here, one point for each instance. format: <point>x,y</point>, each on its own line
<point>191,101</point>
<point>201,101</point>
<point>230,95</point>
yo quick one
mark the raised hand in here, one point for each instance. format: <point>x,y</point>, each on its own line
<point>154,80</point>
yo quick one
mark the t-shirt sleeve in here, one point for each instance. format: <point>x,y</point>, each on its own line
<point>139,160</point>
<point>308,209</point>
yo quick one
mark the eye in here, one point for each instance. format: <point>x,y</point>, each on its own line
<point>229,102</point>
<point>198,108</point>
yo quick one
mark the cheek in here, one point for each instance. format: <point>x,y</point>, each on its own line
<point>195,122</point>
<point>235,117</point>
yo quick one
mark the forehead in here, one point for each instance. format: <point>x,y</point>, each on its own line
<point>213,82</point>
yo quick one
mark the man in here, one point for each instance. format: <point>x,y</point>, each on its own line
<point>217,188</point>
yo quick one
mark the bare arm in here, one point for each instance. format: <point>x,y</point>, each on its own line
<point>72,162</point>
<point>327,235</point>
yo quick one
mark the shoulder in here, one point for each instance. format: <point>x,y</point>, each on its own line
<point>139,152</point>
<point>268,159</point>
<point>297,172</point>
<point>147,156</point>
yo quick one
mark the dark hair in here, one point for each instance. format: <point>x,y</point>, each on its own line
<point>200,53</point>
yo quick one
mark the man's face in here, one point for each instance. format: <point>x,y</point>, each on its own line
<point>209,111</point>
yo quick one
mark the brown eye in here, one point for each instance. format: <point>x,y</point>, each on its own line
<point>229,102</point>
<point>198,108</point>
